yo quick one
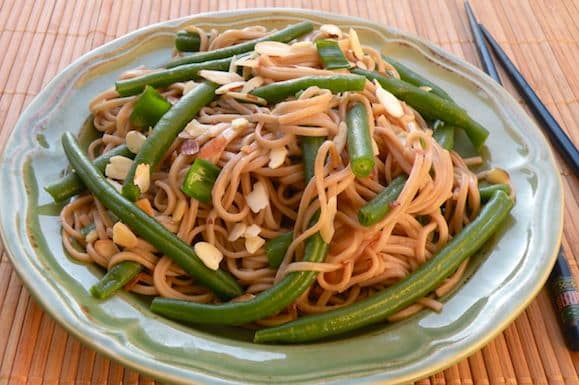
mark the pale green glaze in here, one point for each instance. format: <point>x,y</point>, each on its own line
<point>507,274</point>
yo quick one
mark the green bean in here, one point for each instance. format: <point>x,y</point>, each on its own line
<point>117,277</point>
<point>285,35</point>
<point>379,306</point>
<point>310,146</point>
<point>444,135</point>
<point>276,248</point>
<point>375,210</point>
<point>201,177</point>
<point>186,41</point>
<point>486,192</point>
<point>430,105</point>
<point>418,80</point>
<point>266,303</point>
<point>360,150</point>
<point>331,54</point>
<point>164,78</point>
<point>145,226</point>
<point>278,91</point>
<point>71,184</point>
<point>149,108</point>
<point>165,132</point>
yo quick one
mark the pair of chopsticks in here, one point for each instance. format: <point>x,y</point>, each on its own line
<point>563,289</point>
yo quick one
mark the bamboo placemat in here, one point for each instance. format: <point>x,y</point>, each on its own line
<point>39,38</point>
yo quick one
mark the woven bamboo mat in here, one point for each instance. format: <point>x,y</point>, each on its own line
<point>39,38</point>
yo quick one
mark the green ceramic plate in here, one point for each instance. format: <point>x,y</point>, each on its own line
<point>504,277</point>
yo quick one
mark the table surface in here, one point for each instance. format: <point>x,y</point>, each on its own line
<point>541,36</point>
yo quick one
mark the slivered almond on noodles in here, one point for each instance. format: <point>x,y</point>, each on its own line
<point>220,77</point>
<point>273,48</point>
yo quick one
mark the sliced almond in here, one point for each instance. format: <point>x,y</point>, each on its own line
<point>195,129</point>
<point>331,30</point>
<point>252,84</point>
<point>239,124</point>
<point>390,102</point>
<point>143,177</point>
<point>210,255</point>
<point>91,236</point>
<point>425,88</point>
<point>145,205</point>
<point>236,232</point>
<point>229,87</point>
<point>355,44</point>
<point>253,244</point>
<point>340,138</point>
<point>135,141</point>
<point>252,231</point>
<point>220,77</point>
<point>248,61</point>
<point>118,167</point>
<point>375,147</point>
<point>273,48</point>
<point>277,156</point>
<point>106,248</point>
<point>247,98</point>
<point>123,236</point>
<point>257,199</point>
<point>302,45</point>
<point>179,211</point>
<point>232,64</point>
<point>327,231</point>
<point>497,176</point>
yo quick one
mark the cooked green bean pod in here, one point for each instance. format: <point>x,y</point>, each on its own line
<point>165,132</point>
<point>379,306</point>
<point>360,150</point>
<point>430,105</point>
<point>115,278</point>
<point>284,35</point>
<point>164,78</point>
<point>376,210</point>
<point>331,54</point>
<point>263,305</point>
<point>278,91</point>
<point>409,76</point>
<point>145,226</point>
<point>71,184</point>
<point>186,41</point>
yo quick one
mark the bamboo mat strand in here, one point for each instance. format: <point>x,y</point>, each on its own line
<point>39,38</point>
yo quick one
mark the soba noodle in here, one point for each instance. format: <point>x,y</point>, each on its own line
<point>439,198</point>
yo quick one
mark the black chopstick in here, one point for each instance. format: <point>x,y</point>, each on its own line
<point>566,148</point>
<point>486,59</point>
<point>562,286</point>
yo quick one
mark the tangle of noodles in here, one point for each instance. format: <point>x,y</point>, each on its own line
<point>439,198</point>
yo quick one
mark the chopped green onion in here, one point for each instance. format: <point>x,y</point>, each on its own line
<point>198,183</point>
<point>276,248</point>
<point>331,54</point>
<point>149,108</point>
